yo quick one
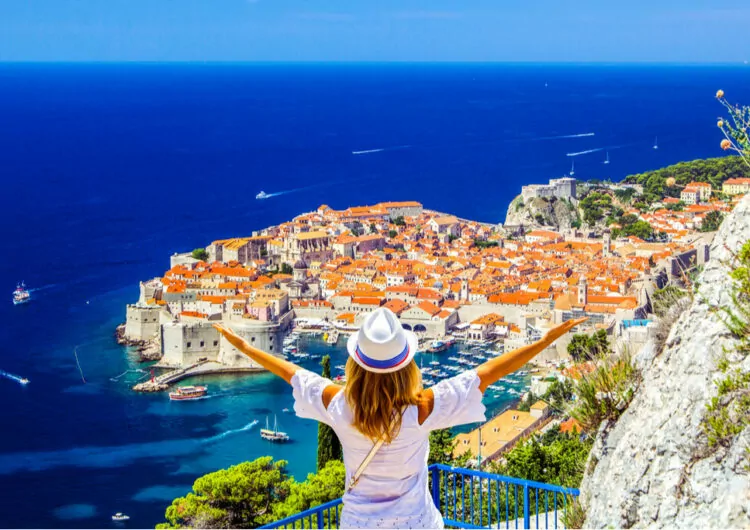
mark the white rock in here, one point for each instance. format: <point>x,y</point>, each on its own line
<point>652,468</point>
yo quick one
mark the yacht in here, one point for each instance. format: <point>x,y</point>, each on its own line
<point>119,516</point>
<point>573,168</point>
<point>21,295</point>
<point>273,435</point>
<point>606,160</point>
<point>656,142</point>
<point>262,195</point>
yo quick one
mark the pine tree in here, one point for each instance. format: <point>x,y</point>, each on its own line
<point>329,446</point>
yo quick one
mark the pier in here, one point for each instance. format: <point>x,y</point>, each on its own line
<point>163,382</point>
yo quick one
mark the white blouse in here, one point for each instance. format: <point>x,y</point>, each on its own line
<point>392,492</point>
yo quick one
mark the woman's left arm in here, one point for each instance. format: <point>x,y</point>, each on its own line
<point>277,366</point>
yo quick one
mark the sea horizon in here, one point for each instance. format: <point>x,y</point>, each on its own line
<point>106,175</point>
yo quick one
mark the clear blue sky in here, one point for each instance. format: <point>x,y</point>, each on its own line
<point>368,30</point>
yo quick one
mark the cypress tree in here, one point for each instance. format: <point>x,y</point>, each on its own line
<point>329,446</point>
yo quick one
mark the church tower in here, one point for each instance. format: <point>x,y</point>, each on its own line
<point>464,290</point>
<point>583,291</point>
<point>607,248</point>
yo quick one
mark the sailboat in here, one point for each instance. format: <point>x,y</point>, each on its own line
<point>606,161</point>
<point>273,435</point>
<point>573,169</point>
<point>656,142</point>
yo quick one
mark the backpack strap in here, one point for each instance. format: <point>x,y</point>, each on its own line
<point>376,446</point>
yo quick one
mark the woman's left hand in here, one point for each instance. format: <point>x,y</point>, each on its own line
<point>230,335</point>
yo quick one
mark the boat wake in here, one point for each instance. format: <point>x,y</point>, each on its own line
<point>230,432</point>
<point>117,378</point>
<point>581,135</point>
<point>587,151</point>
<point>380,150</point>
<point>18,379</point>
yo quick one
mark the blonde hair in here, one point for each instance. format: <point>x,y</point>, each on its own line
<point>375,398</point>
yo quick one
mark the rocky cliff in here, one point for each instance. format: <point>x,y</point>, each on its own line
<point>654,467</point>
<point>552,212</point>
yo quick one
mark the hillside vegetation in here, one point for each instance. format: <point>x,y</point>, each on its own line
<point>711,170</point>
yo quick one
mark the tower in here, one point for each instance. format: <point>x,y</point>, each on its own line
<point>583,291</point>
<point>464,290</point>
<point>299,271</point>
<point>607,248</point>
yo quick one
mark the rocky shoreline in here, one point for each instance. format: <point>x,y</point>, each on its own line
<point>148,350</point>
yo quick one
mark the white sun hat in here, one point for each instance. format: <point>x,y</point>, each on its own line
<point>382,345</point>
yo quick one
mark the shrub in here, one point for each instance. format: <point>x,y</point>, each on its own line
<point>607,391</point>
<point>200,254</point>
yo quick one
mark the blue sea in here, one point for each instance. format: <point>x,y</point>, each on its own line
<point>108,169</point>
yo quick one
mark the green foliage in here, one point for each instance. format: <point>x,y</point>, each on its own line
<point>606,392</point>
<point>252,494</point>
<point>736,131</point>
<point>576,223</point>
<point>479,243</point>
<point>558,395</point>
<point>555,458</point>
<point>239,497</point>
<point>286,269</point>
<point>200,254</point>
<point>639,229</point>
<point>712,221</point>
<point>575,515</point>
<point>373,228</point>
<point>525,404</point>
<point>325,485</point>
<point>441,447</point>
<point>329,445</point>
<point>399,221</point>
<point>712,170</point>
<point>624,195</point>
<point>678,207</point>
<point>595,206</point>
<point>519,205</point>
<point>728,413</point>
<point>452,238</point>
<point>665,298</point>
<point>584,347</point>
<point>392,233</point>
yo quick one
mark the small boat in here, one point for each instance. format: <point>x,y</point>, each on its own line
<point>21,295</point>
<point>439,345</point>
<point>333,337</point>
<point>284,410</point>
<point>119,516</point>
<point>262,195</point>
<point>606,161</point>
<point>185,393</point>
<point>273,435</point>
<point>656,142</point>
<point>573,169</point>
<point>23,381</point>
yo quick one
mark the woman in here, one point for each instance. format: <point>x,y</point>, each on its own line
<point>383,416</point>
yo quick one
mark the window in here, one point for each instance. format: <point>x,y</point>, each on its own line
<point>271,348</point>
<point>216,343</point>
<point>201,344</point>
<point>252,339</point>
<point>188,344</point>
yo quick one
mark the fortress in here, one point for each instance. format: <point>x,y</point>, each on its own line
<point>562,188</point>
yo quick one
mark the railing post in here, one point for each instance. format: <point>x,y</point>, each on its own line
<point>436,486</point>
<point>526,514</point>
<point>320,518</point>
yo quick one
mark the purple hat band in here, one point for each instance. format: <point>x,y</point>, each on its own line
<point>385,364</point>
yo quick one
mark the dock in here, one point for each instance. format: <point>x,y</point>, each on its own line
<point>163,381</point>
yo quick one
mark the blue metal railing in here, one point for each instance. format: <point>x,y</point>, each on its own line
<point>469,499</point>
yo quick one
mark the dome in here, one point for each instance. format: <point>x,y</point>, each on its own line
<point>300,265</point>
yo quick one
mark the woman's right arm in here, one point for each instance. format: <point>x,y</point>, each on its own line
<point>495,369</point>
